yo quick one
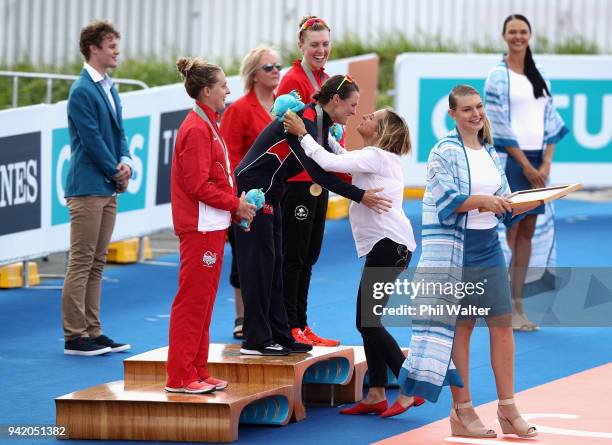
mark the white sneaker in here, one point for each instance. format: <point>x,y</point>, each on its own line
<point>274,349</point>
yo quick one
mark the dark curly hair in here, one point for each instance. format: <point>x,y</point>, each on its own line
<point>94,34</point>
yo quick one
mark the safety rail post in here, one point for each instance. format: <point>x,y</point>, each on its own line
<point>25,273</point>
<point>15,90</point>
<point>49,90</point>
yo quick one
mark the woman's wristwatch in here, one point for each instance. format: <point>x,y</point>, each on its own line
<point>302,136</point>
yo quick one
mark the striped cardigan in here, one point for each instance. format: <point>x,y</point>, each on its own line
<point>497,105</point>
<point>429,367</point>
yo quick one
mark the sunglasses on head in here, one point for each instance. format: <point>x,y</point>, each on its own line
<point>270,66</point>
<point>346,79</point>
<point>308,23</point>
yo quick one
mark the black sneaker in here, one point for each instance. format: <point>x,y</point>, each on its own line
<point>84,346</point>
<point>297,347</point>
<point>103,340</point>
<point>272,350</point>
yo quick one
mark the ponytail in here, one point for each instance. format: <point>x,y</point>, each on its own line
<point>485,134</point>
<point>540,89</point>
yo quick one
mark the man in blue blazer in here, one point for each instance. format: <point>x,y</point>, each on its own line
<point>100,168</point>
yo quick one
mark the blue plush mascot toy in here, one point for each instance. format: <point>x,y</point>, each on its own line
<point>257,198</point>
<point>291,101</point>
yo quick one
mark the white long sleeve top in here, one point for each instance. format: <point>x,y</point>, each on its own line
<point>371,167</point>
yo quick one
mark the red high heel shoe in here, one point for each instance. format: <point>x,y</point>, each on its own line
<point>366,408</point>
<point>398,409</point>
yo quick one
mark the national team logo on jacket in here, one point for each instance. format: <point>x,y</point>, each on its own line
<point>267,209</point>
<point>209,259</point>
<point>301,212</point>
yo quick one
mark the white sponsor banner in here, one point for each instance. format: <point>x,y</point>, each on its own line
<point>582,93</point>
<point>35,155</point>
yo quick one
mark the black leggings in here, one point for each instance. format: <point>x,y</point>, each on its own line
<point>384,263</point>
<point>303,227</point>
<point>233,278</point>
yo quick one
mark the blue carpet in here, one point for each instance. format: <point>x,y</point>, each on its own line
<point>136,303</point>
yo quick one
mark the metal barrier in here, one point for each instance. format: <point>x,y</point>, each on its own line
<point>50,77</point>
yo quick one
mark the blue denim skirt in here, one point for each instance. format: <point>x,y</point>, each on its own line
<point>485,266</point>
<point>518,181</point>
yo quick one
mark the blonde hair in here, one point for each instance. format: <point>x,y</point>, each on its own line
<point>250,65</point>
<point>394,133</point>
<point>197,73</point>
<point>484,134</point>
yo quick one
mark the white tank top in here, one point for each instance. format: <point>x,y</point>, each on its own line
<point>484,180</point>
<point>526,113</point>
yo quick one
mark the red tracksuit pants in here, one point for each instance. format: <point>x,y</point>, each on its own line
<point>201,259</point>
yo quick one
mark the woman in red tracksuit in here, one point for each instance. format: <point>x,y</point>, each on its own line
<point>303,235</point>
<point>241,123</point>
<point>204,202</point>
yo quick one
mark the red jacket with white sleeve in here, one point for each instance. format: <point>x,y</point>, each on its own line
<point>203,189</point>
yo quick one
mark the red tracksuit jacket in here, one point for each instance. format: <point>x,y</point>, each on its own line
<point>201,194</point>
<point>241,123</point>
<point>296,79</point>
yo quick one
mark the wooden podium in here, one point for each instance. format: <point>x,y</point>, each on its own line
<point>262,390</point>
<point>353,390</point>
<point>112,411</point>
<point>325,365</point>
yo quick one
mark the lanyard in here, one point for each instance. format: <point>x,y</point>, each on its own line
<point>311,77</point>
<point>319,111</point>
<point>205,118</point>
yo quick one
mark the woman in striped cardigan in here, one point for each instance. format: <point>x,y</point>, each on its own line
<point>525,126</point>
<point>462,206</point>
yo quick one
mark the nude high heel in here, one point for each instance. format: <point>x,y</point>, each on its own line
<point>474,429</point>
<point>516,426</point>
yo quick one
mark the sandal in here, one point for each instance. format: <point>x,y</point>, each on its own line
<point>517,426</point>
<point>237,332</point>
<point>530,324</point>
<point>521,324</point>
<point>474,429</point>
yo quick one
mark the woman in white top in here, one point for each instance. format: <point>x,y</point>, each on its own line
<point>386,240</point>
<point>526,126</point>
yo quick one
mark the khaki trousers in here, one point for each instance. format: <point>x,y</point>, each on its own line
<point>92,219</point>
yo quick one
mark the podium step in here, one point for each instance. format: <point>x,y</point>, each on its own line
<point>323,365</point>
<point>353,390</point>
<point>114,411</point>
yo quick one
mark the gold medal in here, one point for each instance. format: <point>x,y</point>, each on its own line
<point>315,189</point>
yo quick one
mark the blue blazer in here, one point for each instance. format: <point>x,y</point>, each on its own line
<point>97,139</point>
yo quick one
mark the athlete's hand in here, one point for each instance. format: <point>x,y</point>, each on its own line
<point>374,202</point>
<point>237,220</point>
<point>246,210</point>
